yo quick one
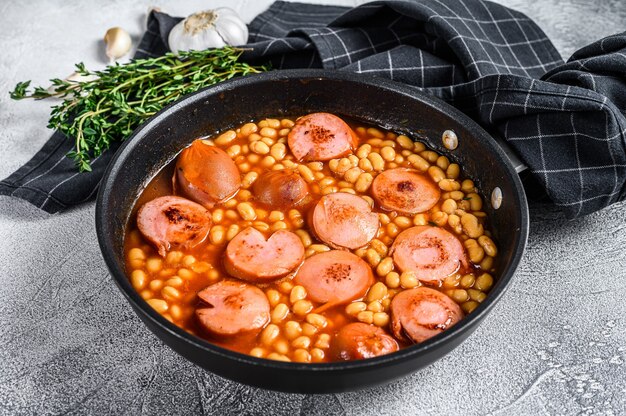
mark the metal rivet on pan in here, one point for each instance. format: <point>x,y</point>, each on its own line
<point>496,198</point>
<point>450,141</point>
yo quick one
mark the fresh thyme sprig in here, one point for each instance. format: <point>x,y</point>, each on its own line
<point>96,112</point>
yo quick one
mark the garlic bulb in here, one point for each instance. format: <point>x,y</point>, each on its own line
<point>118,43</point>
<point>208,29</point>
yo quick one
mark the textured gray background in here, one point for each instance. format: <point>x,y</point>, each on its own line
<point>69,343</point>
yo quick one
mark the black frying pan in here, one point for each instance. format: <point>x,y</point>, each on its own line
<point>372,100</point>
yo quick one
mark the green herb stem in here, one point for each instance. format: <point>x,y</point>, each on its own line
<point>95,113</point>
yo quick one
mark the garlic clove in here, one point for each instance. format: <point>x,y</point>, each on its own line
<point>117,42</point>
<point>208,37</point>
<point>232,30</point>
<point>177,38</point>
<point>74,77</point>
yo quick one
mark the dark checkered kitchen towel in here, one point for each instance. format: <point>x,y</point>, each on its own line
<point>566,121</point>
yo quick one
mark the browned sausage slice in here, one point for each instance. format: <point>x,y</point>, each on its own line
<point>321,136</point>
<point>431,252</point>
<point>422,313</point>
<point>335,276</point>
<point>405,190</point>
<point>280,189</point>
<point>344,220</point>
<point>252,257</point>
<point>206,174</point>
<point>172,221</point>
<point>231,308</point>
<point>357,341</point>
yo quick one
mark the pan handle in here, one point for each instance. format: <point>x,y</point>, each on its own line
<point>515,161</point>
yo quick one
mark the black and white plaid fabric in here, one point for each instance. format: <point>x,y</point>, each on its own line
<point>566,121</point>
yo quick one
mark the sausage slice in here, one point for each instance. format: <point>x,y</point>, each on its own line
<point>321,136</point>
<point>170,221</point>
<point>357,341</point>
<point>280,189</point>
<point>431,252</point>
<point>335,276</point>
<point>422,313</point>
<point>252,257</point>
<point>206,174</point>
<point>231,308</point>
<point>405,190</point>
<point>344,220</point>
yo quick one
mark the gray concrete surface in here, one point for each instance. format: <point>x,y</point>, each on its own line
<point>69,343</point>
